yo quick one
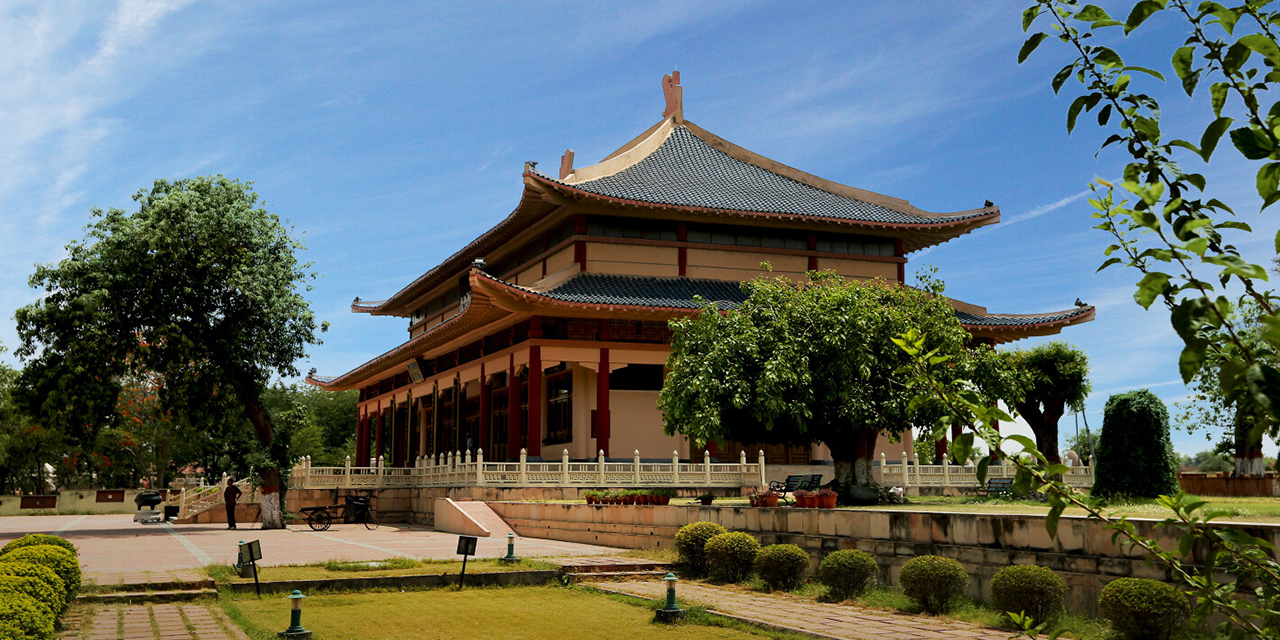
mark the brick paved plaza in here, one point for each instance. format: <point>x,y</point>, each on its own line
<point>115,549</point>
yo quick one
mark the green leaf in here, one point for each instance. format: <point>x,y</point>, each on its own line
<point>1074,110</point>
<point>1212,134</point>
<point>1092,13</point>
<point>1027,443</point>
<point>1268,182</point>
<point>1150,72</point>
<point>1151,286</point>
<point>1218,96</point>
<point>1226,17</point>
<point>1237,266</point>
<point>1051,520</point>
<point>1182,59</point>
<point>1104,115</point>
<point>983,464</point>
<point>1277,242</point>
<point>1029,16</point>
<point>1030,45</point>
<point>1237,55</point>
<point>1061,77</point>
<point>1192,359</point>
<point>1252,143</point>
<point>961,448</point>
<point>1262,45</point>
<point>1109,262</point>
<point>1140,13</point>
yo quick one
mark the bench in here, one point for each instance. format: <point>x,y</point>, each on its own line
<point>997,486</point>
<point>794,483</point>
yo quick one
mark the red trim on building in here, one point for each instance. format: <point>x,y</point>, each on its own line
<point>602,403</point>
<point>482,438</point>
<point>513,410</point>
<point>902,266</point>
<point>535,397</point>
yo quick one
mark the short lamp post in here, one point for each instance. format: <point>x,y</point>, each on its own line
<point>669,613</point>
<point>295,630</point>
<point>511,549</point>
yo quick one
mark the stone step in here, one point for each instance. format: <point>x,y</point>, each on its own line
<point>165,585</point>
<point>603,576</point>
<point>596,564</point>
<point>120,597</point>
<point>485,516</point>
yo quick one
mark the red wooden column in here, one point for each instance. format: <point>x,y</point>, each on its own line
<point>482,438</point>
<point>513,411</point>
<point>535,401</point>
<point>902,266</point>
<point>813,246</point>
<point>381,426</point>
<point>602,402</point>
<point>362,439</point>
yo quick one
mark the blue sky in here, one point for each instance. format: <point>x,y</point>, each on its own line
<point>391,134</point>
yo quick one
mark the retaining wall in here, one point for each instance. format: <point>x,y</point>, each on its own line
<point>984,543</point>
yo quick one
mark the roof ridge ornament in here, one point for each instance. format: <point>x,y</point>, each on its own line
<point>566,164</point>
<point>673,93</point>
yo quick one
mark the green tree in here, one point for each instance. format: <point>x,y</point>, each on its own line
<point>199,286</point>
<point>1084,443</point>
<point>1053,377</point>
<point>1135,454</point>
<point>26,446</point>
<point>800,363</point>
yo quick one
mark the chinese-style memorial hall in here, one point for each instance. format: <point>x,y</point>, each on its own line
<point>549,331</point>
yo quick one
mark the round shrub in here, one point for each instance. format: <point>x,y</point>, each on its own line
<point>782,566</point>
<point>846,573</point>
<point>933,582</point>
<point>34,539</point>
<point>691,542</point>
<point>1029,589</point>
<point>40,572</point>
<point>1141,609</point>
<point>61,561</point>
<point>1135,453</point>
<point>50,601</point>
<point>731,556</point>
<point>22,617</point>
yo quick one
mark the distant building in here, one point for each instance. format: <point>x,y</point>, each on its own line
<point>549,331</point>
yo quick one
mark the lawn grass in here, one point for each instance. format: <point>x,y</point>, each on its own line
<point>512,613</point>
<point>223,574</point>
<point>1069,625</point>
<point>1252,509</point>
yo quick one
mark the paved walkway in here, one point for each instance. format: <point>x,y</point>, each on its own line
<point>114,549</point>
<point>156,622</point>
<point>810,617</point>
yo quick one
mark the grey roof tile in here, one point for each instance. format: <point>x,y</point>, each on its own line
<point>686,171</point>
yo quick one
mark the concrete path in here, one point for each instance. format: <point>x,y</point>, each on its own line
<point>810,617</point>
<point>156,622</point>
<point>114,549</point>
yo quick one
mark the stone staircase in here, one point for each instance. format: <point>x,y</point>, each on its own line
<point>148,587</point>
<point>485,517</point>
<point>605,568</point>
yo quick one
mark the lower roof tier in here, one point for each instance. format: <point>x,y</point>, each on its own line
<point>603,296</point>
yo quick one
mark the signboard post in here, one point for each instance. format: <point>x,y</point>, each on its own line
<point>250,554</point>
<point>466,547</point>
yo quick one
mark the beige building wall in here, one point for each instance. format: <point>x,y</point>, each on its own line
<point>742,265</point>
<point>860,269</point>
<point>641,260</point>
<point>636,424</point>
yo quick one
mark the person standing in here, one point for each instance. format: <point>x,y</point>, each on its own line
<point>229,497</point>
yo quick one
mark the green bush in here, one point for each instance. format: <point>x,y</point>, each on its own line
<point>22,618</point>
<point>691,542</point>
<point>846,573</point>
<point>40,572</point>
<point>34,539</point>
<point>61,561</point>
<point>49,600</point>
<point>731,556</point>
<point>1141,609</point>
<point>933,582</point>
<point>1135,454</point>
<point>1029,589</point>
<point>782,566</point>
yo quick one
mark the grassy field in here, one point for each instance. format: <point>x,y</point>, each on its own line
<point>1241,509</point>
<point>515,613</point>
<point>393,567</point>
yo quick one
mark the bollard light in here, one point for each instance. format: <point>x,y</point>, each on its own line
<point>295,630</point>
<point>511,549</point>
<point>669,613</point>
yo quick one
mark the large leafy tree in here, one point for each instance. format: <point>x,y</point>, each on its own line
<point>200,287</point>
<point>802,363</point>
<point>1052,377</point>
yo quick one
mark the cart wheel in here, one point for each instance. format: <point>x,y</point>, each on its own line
<point>319,520</point>
<point>371,519</point>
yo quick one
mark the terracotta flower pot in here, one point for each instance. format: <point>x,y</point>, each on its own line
<point>707,501</point>
<point>769,500</point>
<point>804,501</point>
<point>664,500</point>
<point>755,501</point>
<point>826,502</point>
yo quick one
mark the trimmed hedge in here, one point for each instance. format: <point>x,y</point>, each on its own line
<point>731,556</point>
<point>1135,454</point>
<point>1029,589</point>
<point>933,581</point>
<point>61,561</point>
<point>691,543</point>
<point>49,600</point>
<point>782,566</point>
<point>1141,609</point>
<point>846,573</point>
<point>35,539</point>
<point>22,618</point>
<point>39,572</point>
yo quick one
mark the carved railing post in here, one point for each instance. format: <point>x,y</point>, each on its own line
<point>479,466</point>
<point>564,467</point>
<point>600,468</point>
<point>706,467</point>
<point>675,468</point>
<point>524,467</point>
<point>635,468</point>
<point>764,482</point>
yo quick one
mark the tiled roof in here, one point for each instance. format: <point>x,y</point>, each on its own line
<point>323,379</point>
<point>686,171</point>
<point>1019,320</point>
<point>367,304</point>
<point>648,291</point>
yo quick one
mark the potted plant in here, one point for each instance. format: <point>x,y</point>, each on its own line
<point>628,497</point>
<point>706,498</point>
<point>664,496</point>
<point>768,499</point>
<point>610,497</point>
<point>803,499</point>
<point>753,496</point>
<point>593,497</point>
<point>826,499</point>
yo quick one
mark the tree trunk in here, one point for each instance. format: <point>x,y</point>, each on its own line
<point>1044,424</point>
<point>1248,454</point>
<point>272,506</point>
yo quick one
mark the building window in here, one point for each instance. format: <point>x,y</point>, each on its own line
<point>559,382</point>
<point>637,377</point>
